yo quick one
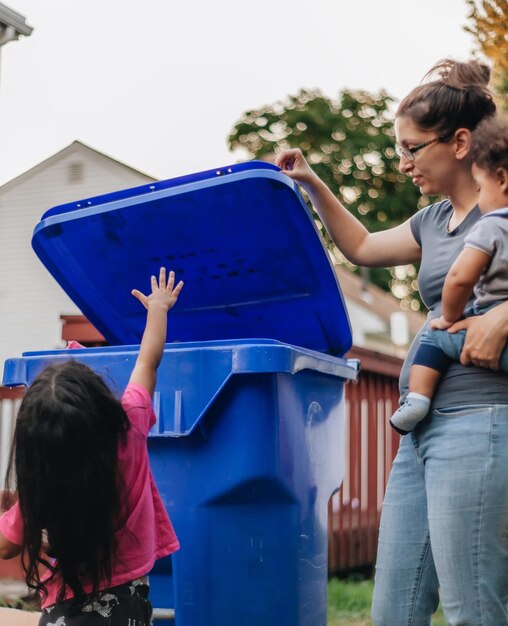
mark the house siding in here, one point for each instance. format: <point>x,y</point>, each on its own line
<point>31,302</point>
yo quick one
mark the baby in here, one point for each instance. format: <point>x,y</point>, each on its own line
<point>482,267</point>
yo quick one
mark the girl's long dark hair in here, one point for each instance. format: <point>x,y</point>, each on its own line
<point>65,459</point>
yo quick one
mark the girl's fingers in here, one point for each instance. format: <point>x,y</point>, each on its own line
<point>178,288</point>
<point>171,281</point>
<point>162,278</point>
<point>140,296</point>
<point>169,286</point>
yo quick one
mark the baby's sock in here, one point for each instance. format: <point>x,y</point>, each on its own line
<point>414,409</point>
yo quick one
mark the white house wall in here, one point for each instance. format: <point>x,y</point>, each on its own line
<point>31,301</point>
<point>364,320</point>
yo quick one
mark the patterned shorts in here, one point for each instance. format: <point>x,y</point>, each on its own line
<point>125,605</point>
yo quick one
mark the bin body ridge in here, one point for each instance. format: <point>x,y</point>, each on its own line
<point>245,473</point>
<point>247,492</point>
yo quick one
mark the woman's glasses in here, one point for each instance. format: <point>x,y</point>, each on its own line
<point>409,153</point>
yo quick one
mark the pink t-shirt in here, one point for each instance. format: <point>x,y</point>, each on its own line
<point>147,534</point>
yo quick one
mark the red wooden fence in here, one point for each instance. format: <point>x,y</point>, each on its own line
<point>371,444</point>
<point>9,404</point>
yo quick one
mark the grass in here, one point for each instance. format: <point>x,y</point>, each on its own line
<point>24,604</point>
<point>349,603</point>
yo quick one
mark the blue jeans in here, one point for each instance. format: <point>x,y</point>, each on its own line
<point>444,525</point>
<point>452,344</point>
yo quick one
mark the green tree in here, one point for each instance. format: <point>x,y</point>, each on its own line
<point>488,23</point>
<point>349,141</point>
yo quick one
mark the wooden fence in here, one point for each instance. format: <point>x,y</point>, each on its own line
<point>371,444</point>
<point>10,400</point>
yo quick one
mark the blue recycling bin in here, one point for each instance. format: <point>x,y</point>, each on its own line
<point>249,440</point>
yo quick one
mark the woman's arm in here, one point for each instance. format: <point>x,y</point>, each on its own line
<point>394,246</point>
<point>158,303</point>
<point>486,337</point>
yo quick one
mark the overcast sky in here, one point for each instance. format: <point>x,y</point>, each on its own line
<point>158,84</point>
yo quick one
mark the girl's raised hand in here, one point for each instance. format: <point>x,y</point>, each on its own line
<point>164,293</point>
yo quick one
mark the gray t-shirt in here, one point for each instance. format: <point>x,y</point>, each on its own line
<point>440,247</point>
<point>490,235</point>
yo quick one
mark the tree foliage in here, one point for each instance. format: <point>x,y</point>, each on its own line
<point>488,23</point>
<point>349,142</point>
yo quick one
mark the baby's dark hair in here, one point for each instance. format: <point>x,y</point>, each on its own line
<point>489,146</point>
<point>458,98</point>
<point>65,459</point>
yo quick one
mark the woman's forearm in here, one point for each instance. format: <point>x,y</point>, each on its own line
<point>348,234</point>
<point>498,319</point>
<point>395,246</point>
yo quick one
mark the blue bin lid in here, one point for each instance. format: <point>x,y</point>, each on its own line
<point>242,239</point>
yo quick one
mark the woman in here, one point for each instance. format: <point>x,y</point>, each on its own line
<point>444,523</point>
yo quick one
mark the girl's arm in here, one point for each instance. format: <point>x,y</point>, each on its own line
<point>10,519</point>
<point>458,285</point>
<point>8,550</point>
<point>163,297</point>
<point>394,246</point>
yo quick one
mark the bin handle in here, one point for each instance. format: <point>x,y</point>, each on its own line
<point>357,365</point>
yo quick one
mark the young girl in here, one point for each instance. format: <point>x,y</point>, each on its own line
<point>482,266</point>
<point>88,509</point>
<point>444,523</point>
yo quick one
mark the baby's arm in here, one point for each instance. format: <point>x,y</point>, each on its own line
<point>163,297</point>
<point>458,286</point>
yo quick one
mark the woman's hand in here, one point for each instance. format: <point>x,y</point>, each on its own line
<point>485,337</point>
<point>293,164</point>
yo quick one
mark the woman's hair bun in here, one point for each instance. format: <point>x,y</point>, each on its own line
<point>461,75</point>
<point>453,94</point>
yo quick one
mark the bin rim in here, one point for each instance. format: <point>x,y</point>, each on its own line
<point>213,363</point>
